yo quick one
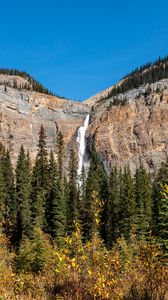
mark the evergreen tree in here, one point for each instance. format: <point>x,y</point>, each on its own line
<point>72,205</point>
<point>162,225</point>
<point>81,194</point>
<point>96,182</point>
<point>10,208</point>
<point>113,207</point>
<point>143,202</point>
<point>52,175</point>
<point>40,182</point>
<point>58,211</point>
<point>23,222</point>
<point>127,204</point>
<point>160,179</point>
<point>60,154</point>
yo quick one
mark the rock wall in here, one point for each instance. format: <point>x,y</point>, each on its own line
<point>23,112</point>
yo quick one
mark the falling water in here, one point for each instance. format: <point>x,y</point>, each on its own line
<point>82,144</point>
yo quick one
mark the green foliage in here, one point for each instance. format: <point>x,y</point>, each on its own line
<point>127,204</point>
<point>162,225</point>
<point>143,202</point>
<point>32,83</point>
<point>23,222</point>
<point>72,205</point>
<point>39,181</point>
<point>33,253</point>
<point>154,72</point>
<point>113,207</point>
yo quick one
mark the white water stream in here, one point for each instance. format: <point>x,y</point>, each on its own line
<point>82,145</point>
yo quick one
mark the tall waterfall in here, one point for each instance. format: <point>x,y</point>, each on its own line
<point>82,144</point>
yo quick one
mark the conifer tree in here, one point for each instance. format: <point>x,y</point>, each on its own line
<point>40,182</point>
<point>52,175</point>
<point>113,207</point>
<point>143,202</point>
<point>58,211</point>
<point>127,204</point>
<point>162,225</point>
<point>10,208</point>
<point>96,182</point>
<point>60,150</point>
<point>81,194</point>
<point>23,222</point>
<point>72,205</point>
<point>160,179</point>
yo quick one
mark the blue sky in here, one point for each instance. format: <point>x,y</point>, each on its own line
<point>78,48</point>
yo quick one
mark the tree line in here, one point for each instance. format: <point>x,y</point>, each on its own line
<point>148,73</point>
<point>48,196</point>
<point>31,83</point>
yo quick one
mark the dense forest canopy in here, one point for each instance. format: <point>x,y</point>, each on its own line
<point>81,242</point>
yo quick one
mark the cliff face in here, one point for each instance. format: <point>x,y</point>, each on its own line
<point>23,112</point>
<point>134,130</point>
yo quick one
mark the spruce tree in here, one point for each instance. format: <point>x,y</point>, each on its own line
<point>10,207</point>
<point>160,179</point>
<point>81,194</point>
<point>113,207</point>
<point>143,202</point>
<point>52,175</point>
<point>127,204</point>
<point>60,150</point>
<point>96,182</point>
<point>23,222</point>
<point>72,205</point>
<point>40,182</point>
<point>162,226</point>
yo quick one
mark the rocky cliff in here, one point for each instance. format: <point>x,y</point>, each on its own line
<point>133,131</point>
<point>23,112</point>
<point>129,128</point>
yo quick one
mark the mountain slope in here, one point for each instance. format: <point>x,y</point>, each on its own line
<point>128,121</point>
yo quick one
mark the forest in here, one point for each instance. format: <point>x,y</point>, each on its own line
<point>147,74</point>
<point>32,84</point>
<point>98,237</point>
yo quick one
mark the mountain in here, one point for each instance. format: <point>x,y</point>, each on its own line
<point>128,121</point>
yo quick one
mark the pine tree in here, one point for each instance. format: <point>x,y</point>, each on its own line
<point>60,150</point>
<point>127,204</point>
<point>162,225</point>
<point>52,175</point>
<point>40,182</point>
<point>81,195</point>
<point>161,179</point>
<point>96,182</point>
<point>143,202</point>
<point>10,209</point>
<point>23,222</point>
<point>113,207</point>
<point>72,205</point>
<point>58,211</point>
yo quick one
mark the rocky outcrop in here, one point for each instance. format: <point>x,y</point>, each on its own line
<point>23,112</point>
<point>134,132</point>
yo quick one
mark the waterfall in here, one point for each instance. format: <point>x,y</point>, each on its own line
<point>82,145</point>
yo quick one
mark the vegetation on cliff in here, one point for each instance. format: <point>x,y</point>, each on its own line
<point>30,84</point>
<point>146,74</point>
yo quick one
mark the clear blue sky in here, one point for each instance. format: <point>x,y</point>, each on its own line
<point>78,48</point>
